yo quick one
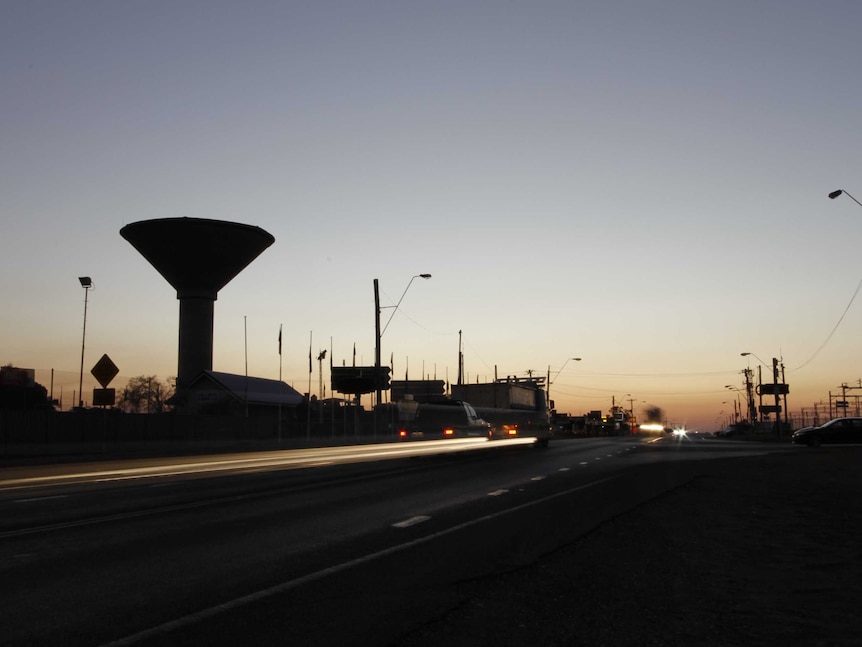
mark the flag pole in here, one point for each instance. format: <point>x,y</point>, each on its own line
<point>279,382</point>
<point>332,393</point>
<point>308,417</point>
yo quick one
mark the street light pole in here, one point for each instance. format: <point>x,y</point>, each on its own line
<point>556,375</point>
<point>631,408</point>
<point>378,334</point>
<point>737,414</point>
<point>86,283</point>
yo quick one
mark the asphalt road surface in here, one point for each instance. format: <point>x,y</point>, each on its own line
<point>336,546</point>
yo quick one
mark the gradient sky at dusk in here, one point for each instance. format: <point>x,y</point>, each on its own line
<point>640,184</point>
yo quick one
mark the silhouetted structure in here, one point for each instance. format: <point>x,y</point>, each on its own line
<point>197,257</point>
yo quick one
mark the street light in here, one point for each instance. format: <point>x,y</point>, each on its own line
<point>86,283</point>
<point>378,332</point>
<point>838,192</point>
<point>631,405</point>
<point>755,357</point>
<point>556,375</point>
<point>394,308</point>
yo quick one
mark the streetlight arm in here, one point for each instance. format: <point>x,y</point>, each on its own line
<point>838,192</point>
<point>395,309</point>
<point>557,374</point>
<point>755,357</point>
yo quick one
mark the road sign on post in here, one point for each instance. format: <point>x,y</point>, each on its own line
<point>358,380</point>
<point>104,397</point>
<point>104,371</point>
<point>773,389</point>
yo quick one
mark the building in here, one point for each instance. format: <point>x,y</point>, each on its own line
<point>228,394</point>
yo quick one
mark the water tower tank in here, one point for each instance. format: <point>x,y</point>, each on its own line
<point>198,258</point>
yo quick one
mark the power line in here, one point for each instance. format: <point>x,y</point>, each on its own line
<point>835,328</point>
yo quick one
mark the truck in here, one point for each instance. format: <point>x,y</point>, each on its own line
<point>460,419</point>
<point>439,419</point>
<point>518,423</point>
<point>514,406</point>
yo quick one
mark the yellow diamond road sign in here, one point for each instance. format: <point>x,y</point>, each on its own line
<point>104,371</point>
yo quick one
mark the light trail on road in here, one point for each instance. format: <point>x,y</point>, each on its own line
<point>135,469</point>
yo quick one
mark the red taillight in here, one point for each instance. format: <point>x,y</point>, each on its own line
<point>511,430</point>
<point>448,432</point>
<point>402,433</point>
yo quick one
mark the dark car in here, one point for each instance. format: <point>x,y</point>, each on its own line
<point>839,430</point>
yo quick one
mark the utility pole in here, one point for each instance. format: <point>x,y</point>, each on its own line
<point>379,390</point>
<point>775,383</point>
<point>749,390</point>
<point>460,360</point>
<point>320,357</point>
<point>843,403</point>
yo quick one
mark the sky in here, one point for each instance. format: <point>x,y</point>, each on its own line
<point>641,184</point>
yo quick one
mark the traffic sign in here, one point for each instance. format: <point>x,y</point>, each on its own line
<point>773,389</point>
<point>104,397</point>
<point>104,371</point>
<point>359,379</point>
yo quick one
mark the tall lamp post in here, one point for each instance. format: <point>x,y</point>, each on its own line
<point>378,332</point>
<point>736,414</point>
<point>86,283</point>
<point>631,410</point>
<point>749,387</point>
<point>556,375</point>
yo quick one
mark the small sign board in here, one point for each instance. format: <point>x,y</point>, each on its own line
<point>770,408</point>
<point>773,389</point>
<point>104,371</point>
<point>104,397</point>
<point>359,379</point>
<point>842,404</point>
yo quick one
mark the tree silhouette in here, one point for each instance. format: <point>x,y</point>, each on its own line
<point>145,394</point>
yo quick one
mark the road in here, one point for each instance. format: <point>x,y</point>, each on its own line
<point>350,545</point>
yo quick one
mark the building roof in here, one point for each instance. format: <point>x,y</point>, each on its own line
<point>257,390</point>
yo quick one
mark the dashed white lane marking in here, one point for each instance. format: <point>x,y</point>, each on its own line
<point>289,585</point>
<point>564,469</point>
<point>412,521</point>
<point>538,478</point>
<point>497,492</point>
<point>584,463</point>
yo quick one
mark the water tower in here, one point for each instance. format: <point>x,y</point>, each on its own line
<point>198,258</point>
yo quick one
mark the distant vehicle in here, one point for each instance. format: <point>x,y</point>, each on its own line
<point>839,430</point>
<point>734,431</point>
<point>438,420</point>
<point>518,423</point>
<point>459,419</point>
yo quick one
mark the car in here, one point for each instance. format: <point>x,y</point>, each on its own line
<point>838,430</point>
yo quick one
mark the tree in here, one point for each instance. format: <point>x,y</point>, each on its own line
<point>145,394</point>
